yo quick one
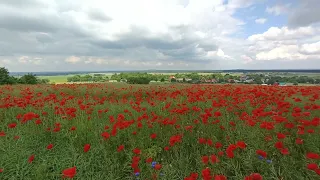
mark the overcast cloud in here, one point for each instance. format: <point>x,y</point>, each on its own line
<point>69,35</point>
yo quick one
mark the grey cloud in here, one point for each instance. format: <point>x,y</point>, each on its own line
<point>305,14</point>
<point>23,3</point>
<point>274,64</point>
<point>16,23</point>
<point>98,16</point>
<point>54,34</point>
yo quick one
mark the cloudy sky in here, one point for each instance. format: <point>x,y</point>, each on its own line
<point>72,35</point>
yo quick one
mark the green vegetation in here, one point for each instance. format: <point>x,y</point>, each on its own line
<point>106,131</point>
<point>25,79</point>
<point>55,79</point>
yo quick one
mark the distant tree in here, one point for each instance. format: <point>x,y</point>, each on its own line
<point>43,81</point>
<point>28,79</point>
<point>138,80</point>
<point>162,80</point>
<point>173,80</point>
<point>258,81</point>
<point>295,83</point>
<point>12,80</point>
<point>4,76</point>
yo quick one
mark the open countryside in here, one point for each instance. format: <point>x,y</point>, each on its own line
<point>159,90</point>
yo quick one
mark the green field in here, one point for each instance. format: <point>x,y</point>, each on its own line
<point>116,131</point>
<point>56,79</point>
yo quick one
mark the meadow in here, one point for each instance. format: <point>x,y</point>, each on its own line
<point>115,131</point>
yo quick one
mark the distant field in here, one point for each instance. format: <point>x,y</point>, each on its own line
<point>302,74</point>
<point>56,79</point>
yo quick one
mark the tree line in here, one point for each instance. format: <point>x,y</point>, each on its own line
<point>5,78</point>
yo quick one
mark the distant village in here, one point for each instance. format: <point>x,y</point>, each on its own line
<point>198,78</point>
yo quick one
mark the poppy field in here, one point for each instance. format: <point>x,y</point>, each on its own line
<point>170,132</point>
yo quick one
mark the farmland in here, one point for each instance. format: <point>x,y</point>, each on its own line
<point>115,131</point>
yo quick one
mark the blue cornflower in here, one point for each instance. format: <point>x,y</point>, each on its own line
<point>137,174</point>
<point>260,157</point>
<point>161,174</point>
<point>153,164</point>
<point>269,161</point>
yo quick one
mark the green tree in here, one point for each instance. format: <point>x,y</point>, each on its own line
<point>4,76</point>
<point>28,79</point>
<point>43,81</point>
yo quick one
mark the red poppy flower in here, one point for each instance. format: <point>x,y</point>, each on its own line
<point>256,176</point>
<point>214,159</point>
<point>157,166</point>
<point>153,136</point>
<point>299,141</point>
<point>220,177</point>
<point>31,158</point>
<point>312,155</point>
<point>137,151</point>
<point>279,145</point>
<point>12,125</point>
<point>69,172</point>
<point>50,146</point>
<point>285,151</point>
<point>218,145</point>
<point>205,159</point>
<point>241,144</point>
<point>261,153</point>
<point>312,166</point>
<point>86,148</point>
<point>120,148</point>
<point>281,135</point>
<point>149,160</point>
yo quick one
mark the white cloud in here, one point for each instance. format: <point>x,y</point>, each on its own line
<point>73,59</point>
<point>286,44</point>
<point>109,35</point>
<point>260,20</point>
<point>285,52</point>
<point>313,48</point>
<point>284,33</point>
<point>278,9</point>
<point>246,59</point>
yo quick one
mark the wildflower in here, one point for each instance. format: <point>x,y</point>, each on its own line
<point>86,148</point>
<point>31,158</point>
<point>260,157</point>
<point>205,159</point>
<point>220,177</point>
<point>137,151</point>
<point>69,172</point>
<point>12,125</point>
<point>269,161</point>
<point>261,153</point>
<point>153,164</point>
<point>120,148</point>
<point>312,166</point>
<point>50,146</point>
<point>312,155</point>
<point>157,166</point>
<point>149,160</point>
<point>153,136</point>
<point>241,144</point>
<point>285,151</point>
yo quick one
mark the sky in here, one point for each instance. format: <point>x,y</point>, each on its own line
<point>106,35</point>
